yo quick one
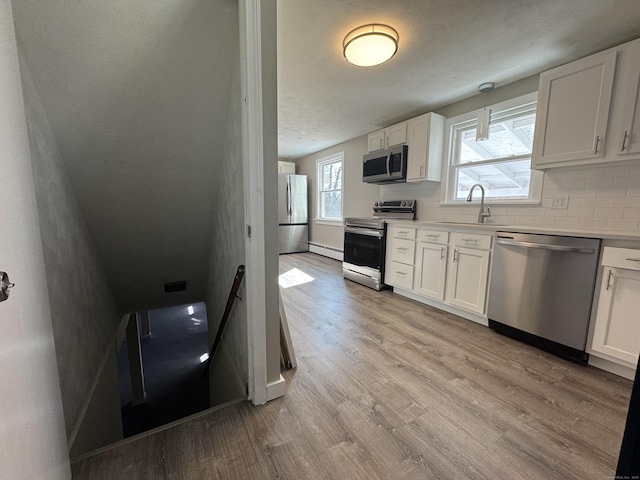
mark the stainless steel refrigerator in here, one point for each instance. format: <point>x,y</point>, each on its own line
<point>293,222</point>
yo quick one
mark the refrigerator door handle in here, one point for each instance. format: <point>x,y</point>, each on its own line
<point>289,199</point>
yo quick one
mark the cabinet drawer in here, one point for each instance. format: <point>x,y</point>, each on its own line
<point>472,240</point>
<point>400,275</point>
<point>621,258</point>
<point>433,236</point>
<point>403,251</point>
<point>403,232</point>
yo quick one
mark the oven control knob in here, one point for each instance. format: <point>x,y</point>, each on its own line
<point>404,204</point>
<point>376,204</point>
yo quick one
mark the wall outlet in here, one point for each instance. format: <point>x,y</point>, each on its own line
<point>560,202</point>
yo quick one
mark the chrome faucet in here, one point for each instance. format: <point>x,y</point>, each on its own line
<point>482,215</point>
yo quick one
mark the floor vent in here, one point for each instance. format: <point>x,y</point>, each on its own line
<point>171,287</point>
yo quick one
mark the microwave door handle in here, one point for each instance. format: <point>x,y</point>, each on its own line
<point>388,165</point>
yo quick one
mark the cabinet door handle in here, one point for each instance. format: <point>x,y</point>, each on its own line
<point>624,140</point>
<point>609,279</point>
<point>633,259</point>
<point>404,249</point>
<point>401,273</point>
<point>470,240</point>
<point>597,144</point>
<point>455,254</point>
<point>443,253</point>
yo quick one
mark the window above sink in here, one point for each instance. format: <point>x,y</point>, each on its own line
<point>501,163</point>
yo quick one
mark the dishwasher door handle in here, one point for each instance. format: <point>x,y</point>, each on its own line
<point>544,246</point>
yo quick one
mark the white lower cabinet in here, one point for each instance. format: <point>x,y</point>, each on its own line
<point>616,332</point>
<point>449,267</point>
<point>432,263</point>
<point>469,272</point>
<point>400,257</point>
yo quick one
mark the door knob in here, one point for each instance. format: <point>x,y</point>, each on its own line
<point>5,285</point>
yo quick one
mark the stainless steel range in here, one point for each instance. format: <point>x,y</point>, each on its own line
<point>365,242</point>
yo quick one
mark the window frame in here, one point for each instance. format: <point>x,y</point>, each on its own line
<point>320,164</point>
<point>523,104</point>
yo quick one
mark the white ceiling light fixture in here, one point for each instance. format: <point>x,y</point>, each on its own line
<point>370,44</point>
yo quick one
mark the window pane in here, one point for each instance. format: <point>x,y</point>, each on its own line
<point>509,179</point>
<point>507,138</point>
<point>331,205</point>
<point>332,176</point>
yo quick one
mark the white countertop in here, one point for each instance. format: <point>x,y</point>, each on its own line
<point>603,234</point>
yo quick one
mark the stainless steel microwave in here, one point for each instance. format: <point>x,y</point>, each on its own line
<point>385,166</point>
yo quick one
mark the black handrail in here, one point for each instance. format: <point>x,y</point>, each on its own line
<point>232,296</point>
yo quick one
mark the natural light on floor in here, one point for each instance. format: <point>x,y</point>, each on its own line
<point>294,277</point>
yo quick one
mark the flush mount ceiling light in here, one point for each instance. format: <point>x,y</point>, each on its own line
<point>370,45</point>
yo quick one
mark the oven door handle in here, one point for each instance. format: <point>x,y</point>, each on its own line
<point>364,231</point>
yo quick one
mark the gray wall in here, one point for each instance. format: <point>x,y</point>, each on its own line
<point>84,314</point>
<point>227,253</point>
<point>358,197</point>
<point>32,435</point>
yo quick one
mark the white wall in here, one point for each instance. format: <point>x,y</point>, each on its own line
<point>229,368</point>
<point>358,197</point>
<point>84,313</point>
<point>32,434</point>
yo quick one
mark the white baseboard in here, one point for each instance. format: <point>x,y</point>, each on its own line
<point>474,317</point>
<point>611,367</point>
<point>276,389</point>
<point>326,251</point>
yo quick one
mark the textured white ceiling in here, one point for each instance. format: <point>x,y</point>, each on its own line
<point>447,48</point>
<point>136,93</point>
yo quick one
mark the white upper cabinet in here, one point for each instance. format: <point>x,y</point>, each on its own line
<point>375,141</point>
<point>425,140</point>
<point>573,111</point>
<point>387,137</point>
<point>624,139</point>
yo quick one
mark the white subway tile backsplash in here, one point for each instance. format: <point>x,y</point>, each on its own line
<point>601,197</point>
<point>583,193</point>
<point>594,202</point>
<point>633,192</point>
<point>551,212</point>
<point>627,181</point>
<point>594,223</point>
<point>581,212</point>
<point>632,212</point>
<point>573,183</point>
<point>625,202</point>
<point>608,212</point>
<point>623,223</point>
<point>600,182</point>
<point>567,222</point>
<point>614,171</point>
<point>612,192</point>
<point>544,220</point>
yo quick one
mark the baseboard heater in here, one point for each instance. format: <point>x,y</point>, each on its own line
<point>326,250</point>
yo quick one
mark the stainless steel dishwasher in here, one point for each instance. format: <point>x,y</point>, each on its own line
<point>541,290</point>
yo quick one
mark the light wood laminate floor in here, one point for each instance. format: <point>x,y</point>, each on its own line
<point>388,388</point>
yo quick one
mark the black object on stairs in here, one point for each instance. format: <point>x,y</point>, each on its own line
<point>227,311</point>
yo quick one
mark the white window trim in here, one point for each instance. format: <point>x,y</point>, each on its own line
<point>535,189</point>
<point>335,157</point>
